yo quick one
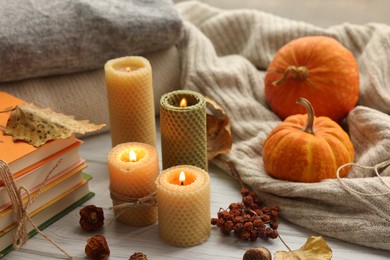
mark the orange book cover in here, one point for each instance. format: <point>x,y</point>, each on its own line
<point>19,154</point>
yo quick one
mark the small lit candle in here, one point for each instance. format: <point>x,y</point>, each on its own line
<point>183,102</point>
<point>182,178</point>
<point>183,196</point>
<point>133,171</point>
<point>183,124</point>
<point>130,100</point>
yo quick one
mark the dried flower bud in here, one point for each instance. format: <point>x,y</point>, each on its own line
<point>248,200</point>
<point>97,248</point>
<point>274,225</point>
<point>266,210</point>
<point>244,235</point>
<point>222,214</point>
<point>253,235</point>
<point>91,218</point>
<point>220,222</point>
<point>238,227</point>
<point>265,218</point>
<point>259,253</point>
<point>138,256</point>
<point>248,225</point>
<point>271,233</point>
<point>244,192</point>
<point>214,221</point>
<point>228,226</point>
<point>258,223</point>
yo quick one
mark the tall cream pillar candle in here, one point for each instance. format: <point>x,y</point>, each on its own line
<point>183,197</point>
<point>130,100</point>
<point>133,171</point>
<point>183,129</point>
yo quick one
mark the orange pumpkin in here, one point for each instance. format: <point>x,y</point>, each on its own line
<point>306,148</point>
<point>317,68</point>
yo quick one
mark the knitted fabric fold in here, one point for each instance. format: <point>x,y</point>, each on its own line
<point>225,55</point>
<point>43,38</point>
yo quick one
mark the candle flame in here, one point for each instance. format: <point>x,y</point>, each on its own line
<point>183,102</point>
<point>182,177</point>
<point>132,156</point>
<point>128,69</point>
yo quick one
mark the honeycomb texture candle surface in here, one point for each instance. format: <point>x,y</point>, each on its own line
<point>184,210</point>
<point>130,100</point>
<point>131,180</point>
<point>183,129</point>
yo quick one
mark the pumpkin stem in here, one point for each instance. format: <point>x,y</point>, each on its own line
<point>309,127</point>
<point>299,73</point>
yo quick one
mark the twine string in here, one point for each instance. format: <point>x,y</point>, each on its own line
<point>376,169</point>
<point>148,201</point>
<point>21,209</point>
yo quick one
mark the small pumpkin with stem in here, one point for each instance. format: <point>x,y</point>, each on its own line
<point>318,68</point>
<point>306,148</point>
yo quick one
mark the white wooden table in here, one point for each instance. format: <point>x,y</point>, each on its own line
<point>124,240</point>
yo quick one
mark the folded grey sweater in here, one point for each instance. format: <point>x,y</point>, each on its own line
<point>48,37</point>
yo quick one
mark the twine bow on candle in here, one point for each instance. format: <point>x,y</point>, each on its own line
<point>20,208</point>
<point>148,201</point>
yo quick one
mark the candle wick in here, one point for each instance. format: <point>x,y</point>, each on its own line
<point>182,183</point>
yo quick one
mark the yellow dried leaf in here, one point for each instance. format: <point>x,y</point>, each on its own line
<point>37,126</point>
<point>219,138</point>
<point>314,248</point>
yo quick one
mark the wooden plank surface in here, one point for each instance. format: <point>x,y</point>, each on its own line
<point>124,240</point>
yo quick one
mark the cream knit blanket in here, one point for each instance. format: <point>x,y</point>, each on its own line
<point>225,55</point>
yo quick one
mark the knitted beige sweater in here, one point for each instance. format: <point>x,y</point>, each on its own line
<point>224,56</point>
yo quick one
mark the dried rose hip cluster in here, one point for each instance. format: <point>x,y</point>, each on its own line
<point>249,219</point>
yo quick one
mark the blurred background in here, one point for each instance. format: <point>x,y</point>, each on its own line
<point>322,13</point>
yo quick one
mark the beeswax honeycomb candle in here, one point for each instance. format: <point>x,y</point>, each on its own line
<point>130,99</point>
<point>133,169</point>
<point>184,205</point>
<point>183,129</point>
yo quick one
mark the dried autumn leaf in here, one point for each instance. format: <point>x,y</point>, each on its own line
<point>37,126</point>
<point>314,248</point>
<point>219,138</point>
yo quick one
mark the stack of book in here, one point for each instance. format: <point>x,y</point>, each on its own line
<point>65,189</point>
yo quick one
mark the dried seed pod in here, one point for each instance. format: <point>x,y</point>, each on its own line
<point>258,253</point>
<point>138,256</point>
<point>97,248</point>
<point>91,218</point>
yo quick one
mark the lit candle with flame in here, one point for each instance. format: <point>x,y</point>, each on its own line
<point>133,156</point>
<point>183,102</point>
<point>183,124</point>
<point>130,100</point>
<point>182,178</point>
<point>183,197</point>
<point>133,171</point>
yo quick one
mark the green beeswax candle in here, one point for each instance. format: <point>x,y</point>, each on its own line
<point>183,129</point>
